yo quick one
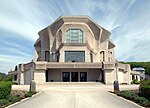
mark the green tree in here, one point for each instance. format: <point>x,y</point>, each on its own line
<point>145,65</point>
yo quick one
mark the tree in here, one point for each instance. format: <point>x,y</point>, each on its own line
<point>145,65</point>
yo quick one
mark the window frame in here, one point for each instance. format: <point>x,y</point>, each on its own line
<point>74,60</point>
<point>74,35</point>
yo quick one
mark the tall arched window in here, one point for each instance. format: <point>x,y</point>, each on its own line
<point>74,36</point>
<point>102,56</point>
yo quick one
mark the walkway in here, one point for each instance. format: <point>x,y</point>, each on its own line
<point>92,95</point>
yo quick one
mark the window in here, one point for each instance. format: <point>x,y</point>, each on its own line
<point>39,55</point>
<point>74,36</point>
<point>47,56</point>
<point>102,56</point>
<point>91,56</point>
<point>74,56</point>
<point>58,56</point>
<point>133,77</point>
<point>15,77</point>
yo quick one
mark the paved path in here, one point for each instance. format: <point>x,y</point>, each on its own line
<point>76,96</point>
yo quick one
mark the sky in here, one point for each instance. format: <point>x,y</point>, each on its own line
<point>20,20</point>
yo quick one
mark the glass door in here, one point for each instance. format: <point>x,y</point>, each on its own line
<point>74,76</point>
<point>66,76</point>
<point>83,76</point>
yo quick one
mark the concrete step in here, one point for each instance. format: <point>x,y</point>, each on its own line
<point>77,84</point>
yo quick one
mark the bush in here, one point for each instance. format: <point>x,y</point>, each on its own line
<point>134,97</point>
<point>145,89</point>
<point>29,94</point>
<point>13,99</point>
<point>128,94</point>
<point>142,101</point>
<point>144,83</point>
<point>5,89</point>
<point>135,81</point>
<point>3,103</point>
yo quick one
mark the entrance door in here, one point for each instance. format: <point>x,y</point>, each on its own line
<point>66,76</point>
<point>74,76</point>
<point>83,76</point>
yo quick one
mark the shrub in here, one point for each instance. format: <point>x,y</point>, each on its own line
<point>29,94</point>
<point>5,89</point>
<point>13,99</point>
<point>144,83</point>
<point>128,94</point>
<point>134,97</point>
<point>145,89</point>
<point>135,81</point>
<point>142,101</point>
<point>3,103</point>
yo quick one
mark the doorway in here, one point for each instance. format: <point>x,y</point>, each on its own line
<point>66,76</point>
<point>74,76</point>
<point>83,76</point>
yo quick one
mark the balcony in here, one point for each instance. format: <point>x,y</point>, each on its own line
<point>77,65</point>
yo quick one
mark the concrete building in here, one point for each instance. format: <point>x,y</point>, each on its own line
<point>73,49</point>
<point>140,75</point>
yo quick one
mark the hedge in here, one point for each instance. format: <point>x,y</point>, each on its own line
<point>134,97</point>
<point>5,89</point>
<point>145,89</point>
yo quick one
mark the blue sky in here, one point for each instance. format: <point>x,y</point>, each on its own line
<point>20,21</point>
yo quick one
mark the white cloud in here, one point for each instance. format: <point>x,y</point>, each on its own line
<point>127,20</point>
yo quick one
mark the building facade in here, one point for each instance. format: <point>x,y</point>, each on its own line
<point>73,49</point>
<point>141,72</point>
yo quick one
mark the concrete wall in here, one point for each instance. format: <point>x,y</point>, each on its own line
<point>39,76</point>
<point>54,74</point>
<point>109,76</point>
<point>27,77</point>
<point>94,74</point>
<point>126,77</point>
<point>120,76</point>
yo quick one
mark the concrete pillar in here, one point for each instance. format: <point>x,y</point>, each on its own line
<point>138,78</point>
<point>21,78</point>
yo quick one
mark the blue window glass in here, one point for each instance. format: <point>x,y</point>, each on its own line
<point>74,56</point>
<point>74,36</point>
